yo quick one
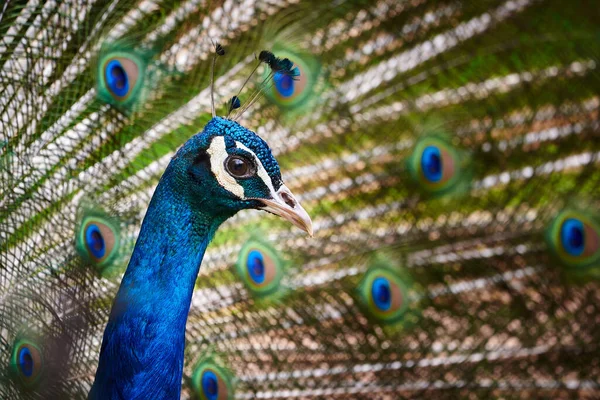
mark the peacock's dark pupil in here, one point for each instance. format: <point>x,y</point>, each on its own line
<point>576,239</point>
<point>284,84</point>
<point>382,294</point>
<point>95,241</point>
<point>573,236</point>
<point>435,164</point>
<point>256,267</point>
<point>431,163</point>
<point>116,78</point>
<point>26,362</point>
<point>119,76</point>
<point>210,384</point>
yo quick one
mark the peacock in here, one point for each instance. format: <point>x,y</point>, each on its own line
<point>446,152</point>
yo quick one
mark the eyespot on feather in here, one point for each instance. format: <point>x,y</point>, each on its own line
<point>212,382</point>
<point>574,237</point>
<point>121,75</point>
<point>213,386</point>
<point>287,87</point>
<point>27,362</point>
<point>260,268</point>
<point>293,80</point>
<point>98,239</point>
<point>436,166</point>
<point>383,295</point>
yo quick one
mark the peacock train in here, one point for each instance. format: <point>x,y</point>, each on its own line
<point>433,167</point>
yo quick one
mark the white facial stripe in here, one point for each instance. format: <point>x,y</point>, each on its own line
<point>261,171</point>
<point>218,153</point>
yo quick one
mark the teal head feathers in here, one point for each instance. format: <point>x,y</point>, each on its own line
<point>228,168</point>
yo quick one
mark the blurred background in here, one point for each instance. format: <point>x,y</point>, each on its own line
<point>447,151</point>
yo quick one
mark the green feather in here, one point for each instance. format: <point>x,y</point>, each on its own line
<point>210,380</point>
<point>123,76</point>
<point>260,267</point>
<point>100,240</point>
<point>438,167</point>
<point>295,94</point>
<point>27,362</point>
<point>388,295</point>
<point>573,236</point>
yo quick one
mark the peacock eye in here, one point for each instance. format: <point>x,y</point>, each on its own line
<point>384,295</point>
<point>260,268</point>
<point>120,76</point>
<point>574,237</point>
<point>239,167</point>
<point>212,382</point>
<point>438,167</point>
<point>27,361</point>
<point>431,163</point>
<point>294,90</point>
<point>98,239</point>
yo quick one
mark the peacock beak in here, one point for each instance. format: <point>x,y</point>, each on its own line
<point>286,206</point>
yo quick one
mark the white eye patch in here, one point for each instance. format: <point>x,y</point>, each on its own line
<point>260,170</point>
<point>218,154</point>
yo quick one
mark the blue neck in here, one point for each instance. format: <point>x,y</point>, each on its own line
<point>143,344</point>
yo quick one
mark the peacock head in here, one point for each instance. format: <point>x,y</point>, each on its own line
<point>227,168</point>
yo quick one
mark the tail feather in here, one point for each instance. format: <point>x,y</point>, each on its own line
<point>504,92</point>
